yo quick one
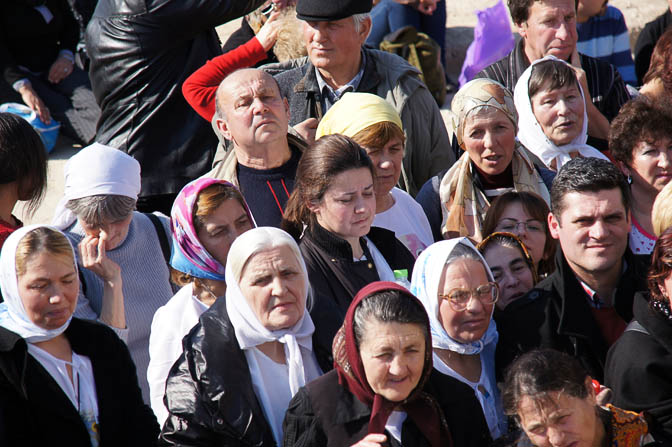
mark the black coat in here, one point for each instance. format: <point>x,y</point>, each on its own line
<point>325,414</point>
<point>639,368</point>
<point>556,314</point>
<point>209,391</point>
<point>34,411</point>
<point>335,278</point>
<point>141,52</point>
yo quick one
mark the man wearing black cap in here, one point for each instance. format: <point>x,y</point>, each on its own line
<point>334,33</point>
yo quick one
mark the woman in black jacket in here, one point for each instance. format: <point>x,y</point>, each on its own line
<point>334,198</point>
<point>60,377</point>
<point>639,364</point>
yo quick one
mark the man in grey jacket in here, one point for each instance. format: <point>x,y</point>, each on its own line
<point>334,33</point>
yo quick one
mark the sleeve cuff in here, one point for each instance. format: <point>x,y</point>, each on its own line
<point>121,333</point>
<point>18,85</point>
<point>67,54</point>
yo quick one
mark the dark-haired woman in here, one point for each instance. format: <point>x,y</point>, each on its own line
<point>383,391</point>
<point>23,170</point>
<point>334,198</point>
<point>640,139</point>
<point>639,364</point>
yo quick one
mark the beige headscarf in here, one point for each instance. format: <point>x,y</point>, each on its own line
<point>463,207</point>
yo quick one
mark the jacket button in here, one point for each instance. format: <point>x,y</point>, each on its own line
<point>370,265</point>
<point>220,421</point>
<point>333,259</point>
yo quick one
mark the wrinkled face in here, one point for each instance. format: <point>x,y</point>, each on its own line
<point>592,229</point>
<point>275,287</point>
<point>490,138</point>
<point>550,29</point>
<point>566,421</point>
<point>511,272</point>
<point>393,356</point>
<point>348,206</point>
<point>49,289</point>
<point>470,324</point>
<point>116,231</point>
<point>515,219</point>
<point>254,111</point>
<point>559,113</point>
<point>651,165</point>
<point>333,44</point>
<point>219,229</point>
<point>387,164</point>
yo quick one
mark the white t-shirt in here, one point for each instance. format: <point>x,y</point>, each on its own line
<point>641,242</point>
<point>171,323</point>
<point>408,221</point>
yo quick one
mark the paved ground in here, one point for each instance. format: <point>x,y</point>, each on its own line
<point>460,22</point>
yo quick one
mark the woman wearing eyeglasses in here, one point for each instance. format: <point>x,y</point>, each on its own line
<point>455,285</point>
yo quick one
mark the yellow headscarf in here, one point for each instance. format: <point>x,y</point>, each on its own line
<point>355,112</point>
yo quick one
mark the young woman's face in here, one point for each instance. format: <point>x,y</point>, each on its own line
<point>511,272</point>
<point>559,112</point>
<point>228,221</point>
<point>387,164</point>
<point>532,232</point>
<point>48,289</point>
<point>489,138</point>
<point>349,205</point>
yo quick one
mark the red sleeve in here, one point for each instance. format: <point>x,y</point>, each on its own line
<point>199,88</point>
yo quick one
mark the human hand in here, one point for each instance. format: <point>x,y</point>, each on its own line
<point>371,440</point>
<point>307,130</point>
<point>94,258</point>
<point>60,69</point>
<point>268,33</point>
<point>32,100</point>
<point>426,7</point>
<point>575,63</point>
<point>279,4</point>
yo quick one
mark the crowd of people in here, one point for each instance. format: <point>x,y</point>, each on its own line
<point>282,243</point>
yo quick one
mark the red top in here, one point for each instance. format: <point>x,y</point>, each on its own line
<point>6,229</point>
<point>199,89</point>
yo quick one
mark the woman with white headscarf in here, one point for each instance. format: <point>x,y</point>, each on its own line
<point>61,378</point>
<point>125,275</point>
<point>249,354</point>
<point>454,283</point>
<point>553,122</point>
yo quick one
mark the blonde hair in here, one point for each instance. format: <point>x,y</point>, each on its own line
<point>661,214</point>
<point>39,240</point>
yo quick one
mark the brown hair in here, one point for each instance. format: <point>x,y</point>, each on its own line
<point>328,157</point>
<point>661,266</point>
<point>39,240</point>
<point>660,66</point>
<point>537,209</point>
<point>208,200</point>
<point>558,73</point>
<point>379,134</point>
<point>638,120</point>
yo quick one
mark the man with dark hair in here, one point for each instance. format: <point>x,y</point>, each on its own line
<point>585,305</point>
<point>548,27</point>
<point>334,34</point>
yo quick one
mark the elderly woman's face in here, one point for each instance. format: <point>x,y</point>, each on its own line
<point>114,232</point>
<point>511,271</point>
<point>221,227</point>
<point>387,162</point>
<point>470,324</point>
<point>393,356</point>
<point>275,287</point>
<point>651,165</point>
<point>563,420</point>
<point>559,112</point>
<point>48,289</point>
<point>489,138</point>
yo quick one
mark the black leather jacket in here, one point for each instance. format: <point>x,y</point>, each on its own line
<point>141,52</point>
<point>209,391</point>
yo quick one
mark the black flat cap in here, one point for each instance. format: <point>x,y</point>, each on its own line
<point>328,10</point>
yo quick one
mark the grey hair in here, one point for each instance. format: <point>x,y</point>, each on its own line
<point>388,306</point>
<point>463,251</point>
<point>359,19</point>
<point>100,209</point>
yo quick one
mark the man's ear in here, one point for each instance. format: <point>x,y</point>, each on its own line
<point>223,129</point>
<point>365,29</point>
<point>522,30</point>
<point>553,226</point>
<point>286,103</point>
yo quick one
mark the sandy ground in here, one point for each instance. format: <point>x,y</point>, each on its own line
<point>460,22</point>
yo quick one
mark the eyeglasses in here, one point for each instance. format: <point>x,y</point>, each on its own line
<point>510,225</point>
<point>459,298</point>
